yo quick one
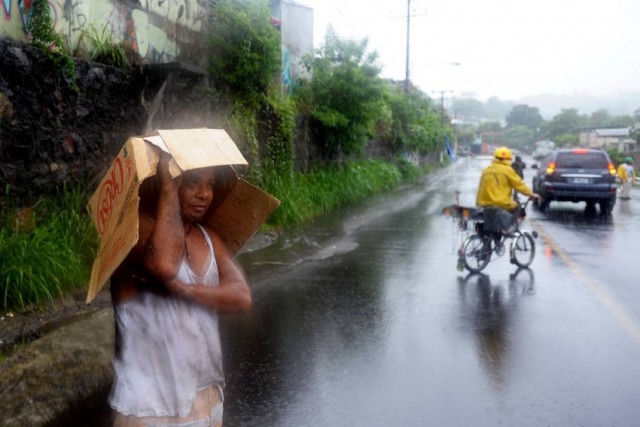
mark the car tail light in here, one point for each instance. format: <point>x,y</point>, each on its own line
<point>612,169</point>
<point>551,168</point>
<point>580,151</point>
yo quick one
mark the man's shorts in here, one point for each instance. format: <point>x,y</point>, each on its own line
<point>207,411</point>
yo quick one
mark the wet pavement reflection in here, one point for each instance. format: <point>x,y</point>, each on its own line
<point>486,311</point>
<point>318,337</point>
<point>365,321</point>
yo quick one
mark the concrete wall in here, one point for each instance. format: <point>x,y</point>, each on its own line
<point>160,31</point>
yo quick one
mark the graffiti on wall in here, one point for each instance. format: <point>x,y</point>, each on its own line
<point>189,13</point>
<point>153,30</point>
<point>287,77</point>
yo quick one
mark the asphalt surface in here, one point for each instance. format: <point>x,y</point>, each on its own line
<point>361,319</point>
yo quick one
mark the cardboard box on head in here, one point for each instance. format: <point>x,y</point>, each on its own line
<point>237,211</point>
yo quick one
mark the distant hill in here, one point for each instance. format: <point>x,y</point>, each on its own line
<point>621,103</point>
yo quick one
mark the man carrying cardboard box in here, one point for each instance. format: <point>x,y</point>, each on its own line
<point>171,212</point>
<point>167,295</point>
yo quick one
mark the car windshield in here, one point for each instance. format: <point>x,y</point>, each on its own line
<point>581,161</point>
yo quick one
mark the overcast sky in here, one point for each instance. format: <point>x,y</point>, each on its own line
<point>505,48</point>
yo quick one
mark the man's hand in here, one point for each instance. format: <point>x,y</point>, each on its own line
<point>535,196</point>
<point>166,180</point>
<point>178,288</point>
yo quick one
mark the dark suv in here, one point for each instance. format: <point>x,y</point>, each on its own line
<point>576,175</point>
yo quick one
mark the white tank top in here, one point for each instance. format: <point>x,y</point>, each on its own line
<point>168,348</point>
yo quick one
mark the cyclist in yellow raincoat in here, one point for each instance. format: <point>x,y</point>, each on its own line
<point>497,183</point>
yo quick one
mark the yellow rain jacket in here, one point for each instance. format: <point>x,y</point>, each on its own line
<point>497,184</point>
<point>624,171</point>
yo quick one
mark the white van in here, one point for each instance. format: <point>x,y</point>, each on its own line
<point>543,148</point>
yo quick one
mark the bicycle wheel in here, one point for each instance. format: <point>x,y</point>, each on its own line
<point>476,253</point>
<point>523,249</point>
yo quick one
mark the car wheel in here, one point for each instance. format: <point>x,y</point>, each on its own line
<point>606,207</point>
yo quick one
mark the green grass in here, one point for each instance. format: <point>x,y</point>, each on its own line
<point>52,253</point>
<point>305,196</point>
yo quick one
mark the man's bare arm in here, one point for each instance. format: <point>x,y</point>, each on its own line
<point>164,247</point>
<point>233,294</point>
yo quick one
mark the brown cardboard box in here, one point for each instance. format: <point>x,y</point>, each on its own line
<point>237,211</point>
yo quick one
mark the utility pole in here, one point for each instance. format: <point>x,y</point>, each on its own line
<point>406,75</point>
<point>442,92</point>
<point>408,62</point>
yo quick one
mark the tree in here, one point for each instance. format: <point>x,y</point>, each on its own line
<point>622,121</point>
<point>468,107</point>
<point>416,124</point>
<point>496,109</point>
<point>635,134</point>
<point>489,127</point>
<point>344,98</point>
<point>517,137</point>
<point>566,140</point>
<point>245,49</point>
<point>568,121</point>
<point>600,118</point>
<point>524,115</point>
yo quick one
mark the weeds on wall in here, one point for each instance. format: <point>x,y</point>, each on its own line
<point>242,124</point>
<point>103,48</point>
<point>278,123</point>
<point>245,68</point>
<point>43,36</point>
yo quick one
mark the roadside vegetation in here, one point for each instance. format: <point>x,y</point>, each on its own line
<point>336,136</point>
<point>45,250</point>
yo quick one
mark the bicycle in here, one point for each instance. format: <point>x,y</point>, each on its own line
<point>477,249</point>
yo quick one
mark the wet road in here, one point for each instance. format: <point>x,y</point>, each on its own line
<point>365,321</point>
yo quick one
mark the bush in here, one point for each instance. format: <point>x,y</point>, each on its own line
<point>345,97</point>
<point>244,49</point>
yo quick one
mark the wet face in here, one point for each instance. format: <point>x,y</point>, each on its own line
<point>196,193</point>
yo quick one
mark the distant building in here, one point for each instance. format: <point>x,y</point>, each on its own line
<point>608,138</point>
<point>295,22</point>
